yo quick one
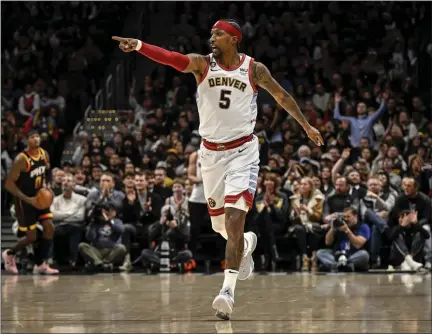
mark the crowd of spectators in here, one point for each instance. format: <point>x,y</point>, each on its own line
<point>355,71</point>
<point>54,55</point>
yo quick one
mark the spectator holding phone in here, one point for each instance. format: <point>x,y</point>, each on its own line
<point>347,236</point>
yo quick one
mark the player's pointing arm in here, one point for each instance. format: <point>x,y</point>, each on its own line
<point>263,78</point>
<point>191,63</point>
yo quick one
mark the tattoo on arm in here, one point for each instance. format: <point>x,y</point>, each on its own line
<point>197,64</point>
<point>262,77</point>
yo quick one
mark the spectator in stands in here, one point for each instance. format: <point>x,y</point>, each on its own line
<point>82,148</point>
<point>82,186</point>
<point>96,174</point>
<point>159,183</point>
<point>306,214</point>
<point>29,102</point>
<point>387,188</point>
<point>141,209</point>
<point>413,200</point>
<point>104,233</point>
<point>114,166</point>
<point>326,182</point>
<point>96,158</point>
<point>68,211</point>
<point>178,200</point>
<point>106,194</point>
<point>374,211</point>
<point>269,216</point>
<point>86,164</point>
<point>57,182</point>
<point>347,237</point>
<point>421,173</point>
<point>321,97</point>
<point>339,200</point>
<point>362,125</point>
<point>53,99</point>
<point>353,176</point>
<point>408,241</point>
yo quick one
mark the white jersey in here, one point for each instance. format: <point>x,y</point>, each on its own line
<point>227,101</point>
<point>197,195</point>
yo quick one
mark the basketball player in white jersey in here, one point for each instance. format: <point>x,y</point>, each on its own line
<point>226,97</point>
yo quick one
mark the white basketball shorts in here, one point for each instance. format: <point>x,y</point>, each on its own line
<point>230,176</point>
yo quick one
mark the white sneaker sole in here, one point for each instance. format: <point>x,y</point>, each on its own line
<point>223,307</point>
<point>246,270</point>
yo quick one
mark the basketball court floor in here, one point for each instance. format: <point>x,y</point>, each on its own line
<point>279,303</point>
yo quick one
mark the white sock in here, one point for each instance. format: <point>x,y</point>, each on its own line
<point>230,279</point>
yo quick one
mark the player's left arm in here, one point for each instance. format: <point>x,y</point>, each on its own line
<point>263,78</point>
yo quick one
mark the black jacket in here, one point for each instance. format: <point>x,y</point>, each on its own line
<point>133,213</point>
<point>420,203</point>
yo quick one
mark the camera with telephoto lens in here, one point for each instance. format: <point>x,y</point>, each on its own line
<point>95,214</point>
<point>338,222</point>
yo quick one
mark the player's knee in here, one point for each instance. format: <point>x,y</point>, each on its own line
<point>234,222</point>
<point>31,236</point>
<point>218,225</point>
<point>48,229</point>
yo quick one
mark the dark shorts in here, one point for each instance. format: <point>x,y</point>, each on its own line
<point>27,215</point>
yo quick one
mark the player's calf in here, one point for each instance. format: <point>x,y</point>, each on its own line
<point>234,224</point>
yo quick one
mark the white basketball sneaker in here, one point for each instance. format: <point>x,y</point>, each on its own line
<point>224,304</point>
<point>247,264</point>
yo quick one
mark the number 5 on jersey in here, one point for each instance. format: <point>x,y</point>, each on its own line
<point>224,101</point>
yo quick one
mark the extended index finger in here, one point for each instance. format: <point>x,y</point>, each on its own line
<point>119,39</point>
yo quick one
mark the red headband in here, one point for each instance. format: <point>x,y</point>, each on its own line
<point>229,28</point>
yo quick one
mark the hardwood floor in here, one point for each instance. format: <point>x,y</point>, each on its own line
<point>293,303</point>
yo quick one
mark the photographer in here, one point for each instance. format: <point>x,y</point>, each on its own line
<point>104,235</point>
<point>348,236</point>
<point>174,226</point>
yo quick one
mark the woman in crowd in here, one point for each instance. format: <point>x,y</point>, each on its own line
<point>306,213</point>
<point>270,219</point>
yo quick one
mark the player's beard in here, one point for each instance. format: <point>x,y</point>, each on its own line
<point>217,53</point>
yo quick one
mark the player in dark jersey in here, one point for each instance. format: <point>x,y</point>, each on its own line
<point>26,178</point>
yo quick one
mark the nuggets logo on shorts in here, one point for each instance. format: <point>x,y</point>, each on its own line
<point>211,202</point>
